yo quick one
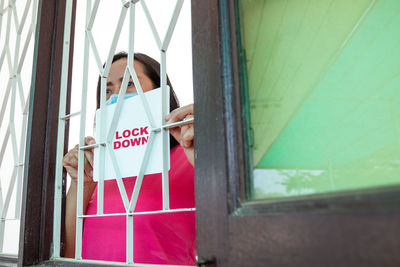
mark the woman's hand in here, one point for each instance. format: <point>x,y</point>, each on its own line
<point>70,162</point>
<point>184,134</point>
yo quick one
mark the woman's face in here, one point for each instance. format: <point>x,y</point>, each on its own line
<point>116,76</point>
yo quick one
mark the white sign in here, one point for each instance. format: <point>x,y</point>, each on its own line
<point>130,137</point>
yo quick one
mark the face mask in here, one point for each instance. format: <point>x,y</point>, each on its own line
<point>114,97</point>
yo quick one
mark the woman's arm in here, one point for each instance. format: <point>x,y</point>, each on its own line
<point>183,134</point>
<point>70,215</point>
<point>70,163</point>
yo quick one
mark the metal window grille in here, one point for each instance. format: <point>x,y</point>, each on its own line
<point>103,142</point>
<point>15,75</point>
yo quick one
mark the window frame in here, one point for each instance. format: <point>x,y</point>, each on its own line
<point>38,185</point>
<point>223,166</point>
<point>383,198</point>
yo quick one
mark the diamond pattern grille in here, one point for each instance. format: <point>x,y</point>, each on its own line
<point>16,53</point>
<point>105,138</point>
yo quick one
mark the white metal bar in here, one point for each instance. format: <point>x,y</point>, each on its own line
<point>81,156</point>
<point>165,134</point>
<point>12,106</point>
<point>127,2</point>
<point>139,179</point>
<point>16,54</point>
<point>11,125</point>
<point>120,183</point>
<point>24,15</point>
<point>4,146</point>
<point>102,148</point>
<point>16,23</point>
<point>131,41</point>
<point>118,107</point>
<point>14,142</point>
<point>68,116</point>
<point>93,14</point>
<point>2,57</point>
<point>143,99</point>
<point>129,239</point>
<point>26,107</point>
<point>178,123</point>
<point>5,101</point>
<point>9,219</point>
<point>20,92</point>
<point>172,25</point>
<point>9,193</point>
<point>6,206</point>
<point>10,66</point>
<point>34,12</point>
<point>61,132</point>
<point>94,50</point>
<point>140,213</point>
<point>2,222</point>
<point>2,226</point>
<point>14,86</point>
<point>151,24</point>
<point>114,41</point>
<point>2,10</point>
<point>25,49</point>
<point>90,146</point>
<point>130,65</point>
<point>8,26</point>
<point>21,167</point>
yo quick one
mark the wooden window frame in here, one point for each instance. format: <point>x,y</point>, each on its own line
<point>223,166</point>
<point>38,187</point>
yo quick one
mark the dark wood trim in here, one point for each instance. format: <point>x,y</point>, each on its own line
<point>240,71</point>
<point>210,147</point>
<point>231,100</point>
<point>355,201</point>
<point>38,187</point>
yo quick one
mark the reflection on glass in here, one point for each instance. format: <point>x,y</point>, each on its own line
<point>324,94</point>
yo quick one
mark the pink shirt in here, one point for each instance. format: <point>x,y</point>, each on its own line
<point>168,238</point>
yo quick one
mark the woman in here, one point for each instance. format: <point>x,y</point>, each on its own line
<point>158,238</point>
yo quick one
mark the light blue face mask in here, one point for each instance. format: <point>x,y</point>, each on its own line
<point>114,97</point>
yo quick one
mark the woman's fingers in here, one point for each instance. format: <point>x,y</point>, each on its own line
<point>179,114</point>
<point>71,158</point>
<point>73,172</point>
<point>176,133</point>
<point>89,140</point>
<point>89,159</point>
<point>88,168</point>
<point>184,133</point>
<point>188,137</point>
<point>70,161</point>
<point>89,152</point>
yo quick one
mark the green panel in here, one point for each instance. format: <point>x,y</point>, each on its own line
<point>324,94</point>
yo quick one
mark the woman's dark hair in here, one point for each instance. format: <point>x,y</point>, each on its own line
<point>152,70</point>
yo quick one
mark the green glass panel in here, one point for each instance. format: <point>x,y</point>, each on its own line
<point>324,94</point>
